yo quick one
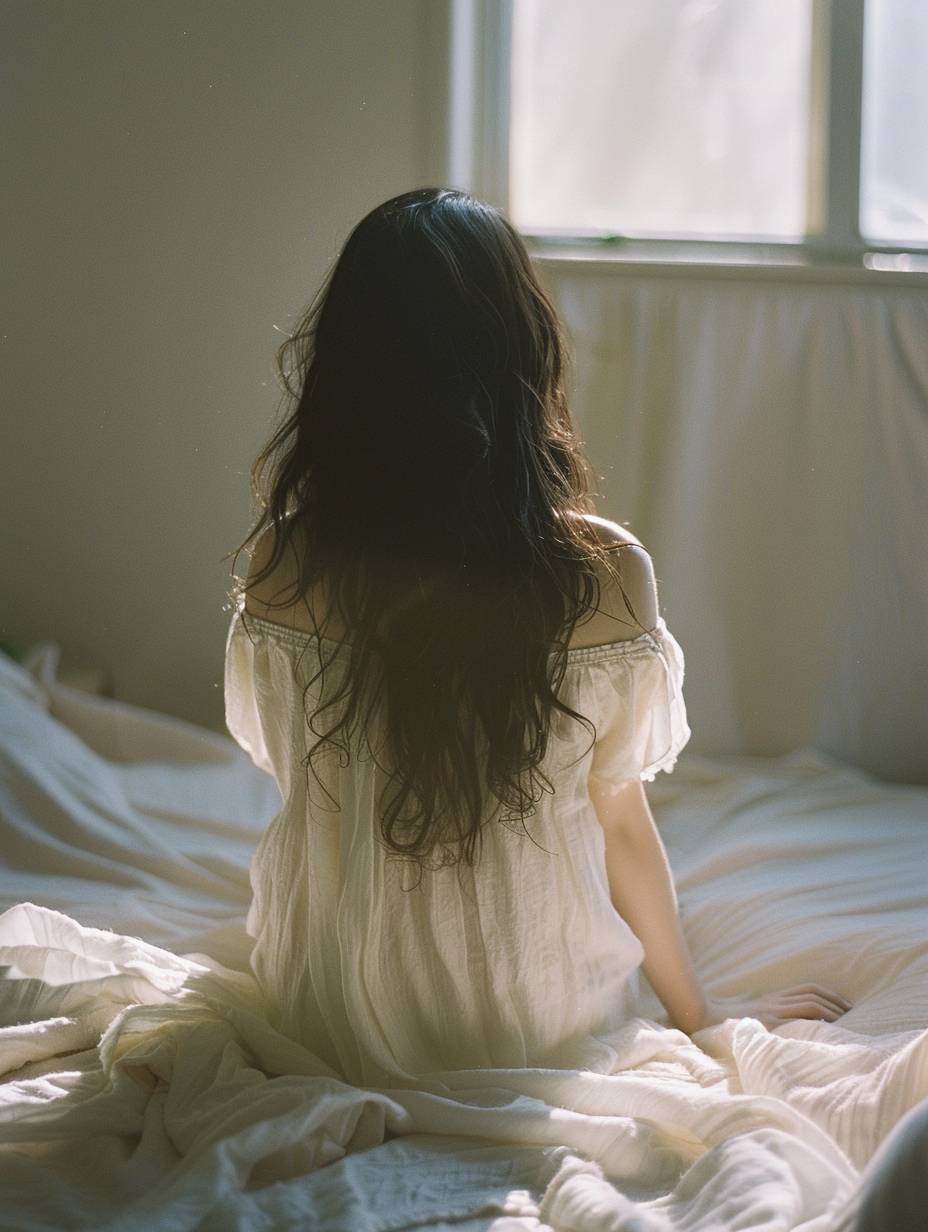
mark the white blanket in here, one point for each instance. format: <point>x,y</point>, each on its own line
<point>142,1088</point>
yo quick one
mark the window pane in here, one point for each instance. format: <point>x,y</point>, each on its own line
<point>894,160</point>
<point>661,117</point>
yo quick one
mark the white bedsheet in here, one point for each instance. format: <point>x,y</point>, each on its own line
<point>142,1089</point>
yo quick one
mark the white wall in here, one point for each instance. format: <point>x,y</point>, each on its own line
<point>184,173</point>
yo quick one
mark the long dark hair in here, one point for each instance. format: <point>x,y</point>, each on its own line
<point>428,473</point>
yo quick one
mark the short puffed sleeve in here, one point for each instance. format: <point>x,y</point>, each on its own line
<point>242,716</point>
<point>641,723</point>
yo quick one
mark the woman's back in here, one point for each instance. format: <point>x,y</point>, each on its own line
<point>609,622</point>
<point>518,960</point>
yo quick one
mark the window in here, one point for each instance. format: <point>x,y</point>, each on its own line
<point>894,180</point>
<point>679,119</point>
<point>795,125</point>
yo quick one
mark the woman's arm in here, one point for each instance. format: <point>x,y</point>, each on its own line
<point>642,891</point>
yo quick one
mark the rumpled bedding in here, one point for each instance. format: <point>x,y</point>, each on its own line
<point>142,1087</point>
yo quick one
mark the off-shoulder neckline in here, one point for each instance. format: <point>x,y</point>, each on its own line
<point>575,654</point>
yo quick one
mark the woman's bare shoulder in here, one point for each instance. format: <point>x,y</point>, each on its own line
<point>269,589</point>
<point>611,534</point>
<point>635,585</point>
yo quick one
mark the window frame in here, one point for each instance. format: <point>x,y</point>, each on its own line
<point>480,42</point>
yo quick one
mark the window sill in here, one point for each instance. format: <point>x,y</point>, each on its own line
<point>745,262</point>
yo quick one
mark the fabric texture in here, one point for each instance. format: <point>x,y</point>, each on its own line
<point>765,433</point>
<point>142,1087</point>
<point>514,963</point>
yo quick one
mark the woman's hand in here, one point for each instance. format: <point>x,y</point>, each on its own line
<point>774,1008</point>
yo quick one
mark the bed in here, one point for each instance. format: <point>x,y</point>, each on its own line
<point>142,1089</point>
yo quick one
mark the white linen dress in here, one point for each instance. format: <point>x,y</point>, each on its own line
<point>516,962</point>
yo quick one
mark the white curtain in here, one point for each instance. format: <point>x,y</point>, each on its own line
<point>767,439</point>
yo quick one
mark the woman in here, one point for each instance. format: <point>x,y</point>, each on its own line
<point>460,678</point>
